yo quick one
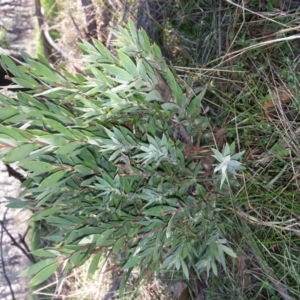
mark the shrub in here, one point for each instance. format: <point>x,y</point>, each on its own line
<point>111,163</point>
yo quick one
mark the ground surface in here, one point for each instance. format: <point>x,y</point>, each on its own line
<point>16,33</point>
<point>14,261</point>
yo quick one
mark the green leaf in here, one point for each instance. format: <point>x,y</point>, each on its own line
<point>158,211</point>
<point>34,269</point>
<point>195,106</point>
<point>56,126</point>
<point>43,70</point>
<point>59,221</point>
<point>104,236</point>
<point>7,140</point>
<point>19,153</point>
<point>237,156</point>
<point>119,244</point>
<point>94,264</point>
<point>45,213</point>
<point>227,250</point>
<point>128,64</point>
<point>89,239</point>
<point>7,112</point>
<point>51,180</point>
<point>132,262</point>
<point>44,274</point>
<point>184,269</point>
<point>227,149</point>
<point>156,52</point>
<point>38,167</point>
<point>214,268</point>
<point>142,70</point>
<point>24,117</point>
<point>10,65</point>
<point>201,191</point>
<point>103,50</point>
<point>154,95</point>
<point>217,155</point>
<point>84,170</point>
<point>17,134</point>
<point>53,140</point>
<point>15,203</point>
<point>44,253</point>
<point>170,106</point>
<point>23,97</point>
<point>133,31</point>
<point>24,83</point>
<point>144,40</point>
<point>69,148</point>
<point>118,72</point>
<point>169,227</point>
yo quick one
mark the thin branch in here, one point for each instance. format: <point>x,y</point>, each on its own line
<point>50,40</point>
<point>2,258</point>
<point>15,243</point>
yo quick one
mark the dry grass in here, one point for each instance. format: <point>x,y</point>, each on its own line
<point>71,24</point>
<point>104,285</point>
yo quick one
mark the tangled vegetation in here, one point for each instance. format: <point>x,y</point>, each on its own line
<point>110,164</point>
<point>131,160</point>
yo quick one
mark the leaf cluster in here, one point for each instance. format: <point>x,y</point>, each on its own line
<point>104,152</point>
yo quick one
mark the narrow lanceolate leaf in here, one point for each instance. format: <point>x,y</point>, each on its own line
<point>44,253</point>
<point>169,227</point>
<point>56,126</point>
<point>118,72</point>
<point>43,70</point>
<point>53,140</point>
<point>227,250</point>
<point>69,148</point>
<point>217,155</point>
<point>38,167</point>
<point>19,153</point>
<point>44,274</point>
<point>7,140</point>
<point>45,213</point>
<point>119,244</point>
<point>34,269</point>
<point>10,65</point>
<point>142,70</point>
<point>17,134</point>
<point>103,50</point>
<point>24,83</point>
<point>53,179</point>
<point>158,211</point>
<point>195,106</point>
<point>94,265</point>
<point>128,64</point>
<point>144,40</point>
<point>184,269</point>
<point>133,31</point>
<point>84,170</point>
<point>7,112</point>
<point>132,262</point>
